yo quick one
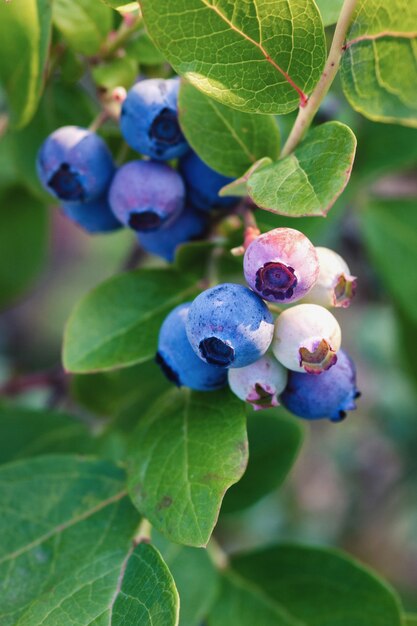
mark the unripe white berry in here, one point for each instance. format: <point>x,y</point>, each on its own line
<point>306,339</point>
<point>335,285</point>
<point>260,383</point>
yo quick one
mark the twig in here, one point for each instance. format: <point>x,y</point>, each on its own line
<point>143,534</point>
<point>135,256</point>
<point>306,114</point>
<point>120,37</point>
<point>217,555</point>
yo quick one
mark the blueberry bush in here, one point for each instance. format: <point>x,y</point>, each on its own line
<point>241,175</point>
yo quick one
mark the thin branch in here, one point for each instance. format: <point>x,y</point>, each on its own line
<point>306,114</point>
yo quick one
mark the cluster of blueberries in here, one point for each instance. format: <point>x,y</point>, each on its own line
<point>227,335</point>
<point>163,205</point>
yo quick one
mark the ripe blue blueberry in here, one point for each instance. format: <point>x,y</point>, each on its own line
<point>189,225</point>
<point>281,265</point>
<point>307,338</point>
<point>74,164</point>
<point>94,216</point>
<point>144,195</point>
<point>203,184</point>
<point>260,383</point>
<point>178,360</point>
<point>329,395</point>
<point>335,286</point>
<point>149,119</point>
<point>229,326</point>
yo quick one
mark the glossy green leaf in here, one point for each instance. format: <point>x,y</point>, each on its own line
<point>330,10</point>
<point>66,554</point>
<point>23,242</point>
<point>274,442</point>
<point>318,587</point>
<point>83,24</point>
<point>237,139</point>
<point>27,433</point>
<point>309,181</point>
<point>117,324</point>
<point>125,394</point>
<point>379,71</point>
<point>25,34</point>
<point>185,453</point>
<point>390,232</point>
<point>239,603</point>
<point>257,56</point>
<point>195,577</point>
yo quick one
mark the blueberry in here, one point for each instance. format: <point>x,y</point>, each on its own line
<point>307,338</point>
<point>178,360</point>
<point>203,184</point>
<point>260,383</point>
<point>149,119</point>
<point>189,225</point>
<point>144,195</point>
<point>94,216</point>
<point>74,164</point>
<point>281,265</point>
<point>330,395</point>
<point>229,326</point>
<point>335,286</point>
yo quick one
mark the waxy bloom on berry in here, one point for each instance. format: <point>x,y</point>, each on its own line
<point>281,265</point>
<point>330,395</point>
<point>229,326</point>
<point>307,338</point>
<point>260,383</point>
<point>335,286</point>
<point>178,360</point>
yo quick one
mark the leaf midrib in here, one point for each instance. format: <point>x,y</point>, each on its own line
<point>64,526</point>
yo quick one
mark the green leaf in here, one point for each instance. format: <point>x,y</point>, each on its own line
<point>385,148</point>
<point>274,442</point>
<point>330,10</point>
<point>237,139</point>
<point>193,257</point>
<point>240,603</point>
<point>185,453</point>
<point>117,324</point>
<point>309,181</point>
<point>115,73</point>
<point>318,587</point>
<point>23,242</point>
<point>124,394</point>
<point>255,56</point>
<point>410,620</point>
<point>66,554</point>
<point>120,4</point>
<point>83,24</point>
<point>27,433</point>
<point>144,51</point>
<point>195,577</point>
<point>25,34</point>
<point>390,232</point>
<point>378,71</point>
